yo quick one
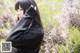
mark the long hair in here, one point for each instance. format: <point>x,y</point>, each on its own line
<point>25,4</point>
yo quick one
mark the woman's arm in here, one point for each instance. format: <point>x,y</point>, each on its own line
<point>21,35</point>
<point>32,37</point>
<point>24,23</point>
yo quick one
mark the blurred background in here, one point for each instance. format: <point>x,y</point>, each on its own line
<point>61,21</point>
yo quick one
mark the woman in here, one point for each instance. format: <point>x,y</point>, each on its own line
<point>27,34</point>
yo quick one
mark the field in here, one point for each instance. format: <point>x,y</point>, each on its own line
<point>50,11</point>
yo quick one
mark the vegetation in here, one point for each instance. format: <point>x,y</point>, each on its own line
<point>54,22</point>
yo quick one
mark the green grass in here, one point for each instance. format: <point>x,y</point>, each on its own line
<point>56,0</point>
<point>48,11</point>
<point>1,39</point>
<point>72,43</point>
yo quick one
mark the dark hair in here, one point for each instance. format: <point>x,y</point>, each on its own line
<point>25,4</point>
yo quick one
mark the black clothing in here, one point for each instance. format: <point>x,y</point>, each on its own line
<point>27,34</point>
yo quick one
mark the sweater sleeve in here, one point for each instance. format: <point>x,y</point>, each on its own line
<point>30,38</point>
<point>22,25</point>
<point>21,36</point>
